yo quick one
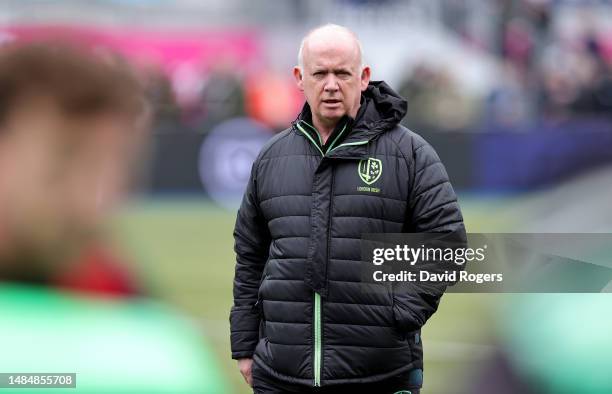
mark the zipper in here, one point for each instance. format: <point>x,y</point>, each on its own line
<point>317,301</point>
<point>336,139</point>
<point>317,338</point>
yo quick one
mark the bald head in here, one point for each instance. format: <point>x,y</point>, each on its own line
<point>332,36</point>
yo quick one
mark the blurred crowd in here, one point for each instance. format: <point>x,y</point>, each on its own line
<point>542,72</point>
<point>549,60</point>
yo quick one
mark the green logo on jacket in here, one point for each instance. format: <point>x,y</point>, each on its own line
<point>369,170</point>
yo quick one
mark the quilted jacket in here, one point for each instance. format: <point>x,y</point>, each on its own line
<point>299,307</point>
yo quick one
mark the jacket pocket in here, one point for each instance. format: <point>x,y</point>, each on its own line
<point>401,335</point>
<point>259,307</point>
<point>262,320</point>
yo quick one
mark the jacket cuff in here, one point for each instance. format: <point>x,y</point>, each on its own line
<point>239,355</point>
<point>244,327</point>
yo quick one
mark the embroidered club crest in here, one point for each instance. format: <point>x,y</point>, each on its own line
<point>369,170</point>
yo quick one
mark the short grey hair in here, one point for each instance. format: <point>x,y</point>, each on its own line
<point>300,57</point>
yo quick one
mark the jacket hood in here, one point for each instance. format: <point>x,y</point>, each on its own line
<point>382,107</point>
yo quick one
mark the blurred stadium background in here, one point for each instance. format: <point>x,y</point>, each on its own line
<point>516,96</point>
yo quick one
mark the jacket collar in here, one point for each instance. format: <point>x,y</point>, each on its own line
<point>381,110</point>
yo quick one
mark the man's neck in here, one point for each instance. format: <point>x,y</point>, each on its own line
<point>324,129</point>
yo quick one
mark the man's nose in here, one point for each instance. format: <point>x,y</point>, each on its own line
<point>331,83</point>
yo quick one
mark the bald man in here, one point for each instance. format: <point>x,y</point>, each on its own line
<point>302,322</point>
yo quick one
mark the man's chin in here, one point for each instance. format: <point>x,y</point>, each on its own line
<point>332,117</point>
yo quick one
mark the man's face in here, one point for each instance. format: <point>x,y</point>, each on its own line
<point>59,178</point>
<point>332,78</point>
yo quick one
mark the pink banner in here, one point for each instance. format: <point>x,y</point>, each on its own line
<point>201,49</point>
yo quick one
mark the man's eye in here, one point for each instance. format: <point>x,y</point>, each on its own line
<point>318,74</point>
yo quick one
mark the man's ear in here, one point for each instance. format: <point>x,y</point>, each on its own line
<point>297,74</point>
<point>365,77</point>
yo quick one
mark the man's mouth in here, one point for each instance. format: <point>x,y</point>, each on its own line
<point>332,101</point>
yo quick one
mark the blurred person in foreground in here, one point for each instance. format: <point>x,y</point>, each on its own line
<point>70,125</point>
<point>302,321</point>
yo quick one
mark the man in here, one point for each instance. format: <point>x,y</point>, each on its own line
<point>301,321</point>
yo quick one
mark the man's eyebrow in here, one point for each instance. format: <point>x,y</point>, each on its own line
<point>317,69</point>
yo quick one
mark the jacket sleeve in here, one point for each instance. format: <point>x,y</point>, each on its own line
<point>252,240</point>
<point>432,208</point>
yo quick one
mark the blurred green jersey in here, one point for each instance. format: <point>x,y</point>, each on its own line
<point>113,346</point>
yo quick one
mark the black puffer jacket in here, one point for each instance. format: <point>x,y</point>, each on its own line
<point>298,308</point>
